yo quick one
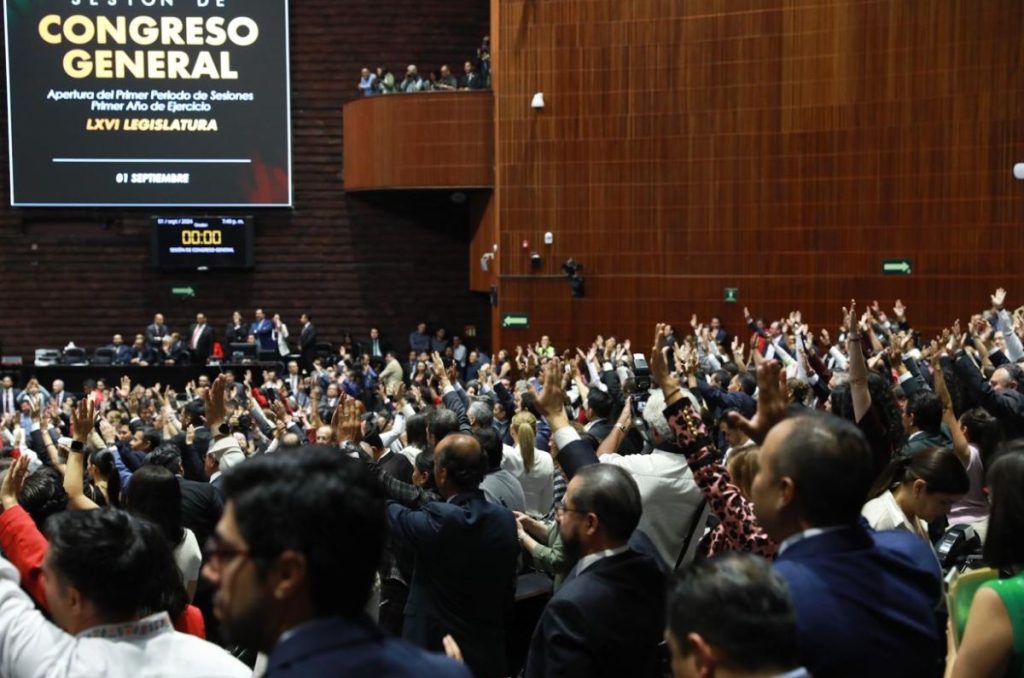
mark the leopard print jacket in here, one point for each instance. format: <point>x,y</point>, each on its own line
<point>738,529</point>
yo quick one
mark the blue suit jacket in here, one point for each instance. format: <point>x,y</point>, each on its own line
<point>464,580</point>
<point>264,331</point>
<point>865,602</point>
<point>608,621</point>
<point>354,647</point>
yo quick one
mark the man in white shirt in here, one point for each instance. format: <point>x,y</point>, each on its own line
<point>669,493</point>
<point>95,571</point>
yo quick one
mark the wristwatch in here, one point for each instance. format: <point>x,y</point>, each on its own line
<point>77,446</point>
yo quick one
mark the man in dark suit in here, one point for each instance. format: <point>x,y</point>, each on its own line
<point>599,412</point>
<point>200,340</point>
<point>156,332</point>
<point>9,396</point>
<point>307,341</point>
<point>302,601</point>
<point>263,330</point>
<point>607,618</point>
<point>865,601</point>
<point>922,420</point>
<point>466,551</point>
<point>375,346</point>
<point>1000,395</point>
<point>122,351</point>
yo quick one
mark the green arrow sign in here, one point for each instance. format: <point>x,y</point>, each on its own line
<point>516,321</point>
<point>183,292</point>
<point>896,267</point>
<point>732,294</point>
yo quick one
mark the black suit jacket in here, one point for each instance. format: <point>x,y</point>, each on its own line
<point>1007,406</point>
<point>607,621</point>
<point>204,345</point>
<point>201,507</point>
<point>14,407</point>
<point>307,338</point>
<point>464,579</point>
<point>601,429</point>
<point>235,335</point>
<point>154,333</point>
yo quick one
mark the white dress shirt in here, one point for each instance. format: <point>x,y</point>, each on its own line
<point>149,647</point>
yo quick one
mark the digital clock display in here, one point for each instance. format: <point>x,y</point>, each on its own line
<point>203,243</point>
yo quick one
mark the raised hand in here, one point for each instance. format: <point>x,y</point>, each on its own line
<point>659,366</point>
<point>126,386</point>
<point>850,319</point>
<point>82,420</point>
<point>13,482</point>
<point>771,402</point>
<point>346,421</point>
<point>998,299</point>
<point>551,400</point>
<point>439,371</point>
<point>899,310</point>
<point>214,401</point>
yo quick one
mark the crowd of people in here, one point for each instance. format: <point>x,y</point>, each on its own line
<point>760,504</point>
<point>476,74</point>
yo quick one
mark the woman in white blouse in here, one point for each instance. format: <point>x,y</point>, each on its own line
<point>532,467</point>
<point>916,490</point>
<point>154,494</point>
<point>280,335</point>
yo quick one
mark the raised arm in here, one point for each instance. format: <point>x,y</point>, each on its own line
<point>74,477</point>
<point>960,446</point>
<point>858,366</point>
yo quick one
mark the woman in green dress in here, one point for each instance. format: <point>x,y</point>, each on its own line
<point>993,643</point>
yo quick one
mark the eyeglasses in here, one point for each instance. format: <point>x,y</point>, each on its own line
<point>561,508</point>
<point>218,552</point>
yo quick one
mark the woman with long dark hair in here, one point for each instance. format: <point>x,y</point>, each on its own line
<point>154,494</point>
<point>103,487</point>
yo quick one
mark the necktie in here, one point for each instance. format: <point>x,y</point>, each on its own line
<point>195,335</point>
<point>376,348</point>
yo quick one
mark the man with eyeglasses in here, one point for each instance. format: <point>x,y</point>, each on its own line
<point>294,559</point>
<point>606,619</point>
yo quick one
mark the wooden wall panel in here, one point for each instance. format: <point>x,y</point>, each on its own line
<point>782,147</point>
<point>422,140</point>
<point>352,260</point>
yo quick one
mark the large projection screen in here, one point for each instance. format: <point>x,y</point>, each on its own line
<point>137,103</point>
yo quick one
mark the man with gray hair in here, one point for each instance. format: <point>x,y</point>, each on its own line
<point>606,619</point>
<point>480,415</point>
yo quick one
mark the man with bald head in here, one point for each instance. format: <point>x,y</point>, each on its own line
<point>466,550</point>
<point>864,600</point>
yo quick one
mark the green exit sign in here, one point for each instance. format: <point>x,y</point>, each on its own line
<point>515,321</point>
<point>732,294</point>
<point>183,292</point>
<point>897,267</point>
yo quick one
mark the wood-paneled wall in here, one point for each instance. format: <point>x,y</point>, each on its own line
<point>781,147</point>
<point>352,261</point>
<point>422,140</point>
